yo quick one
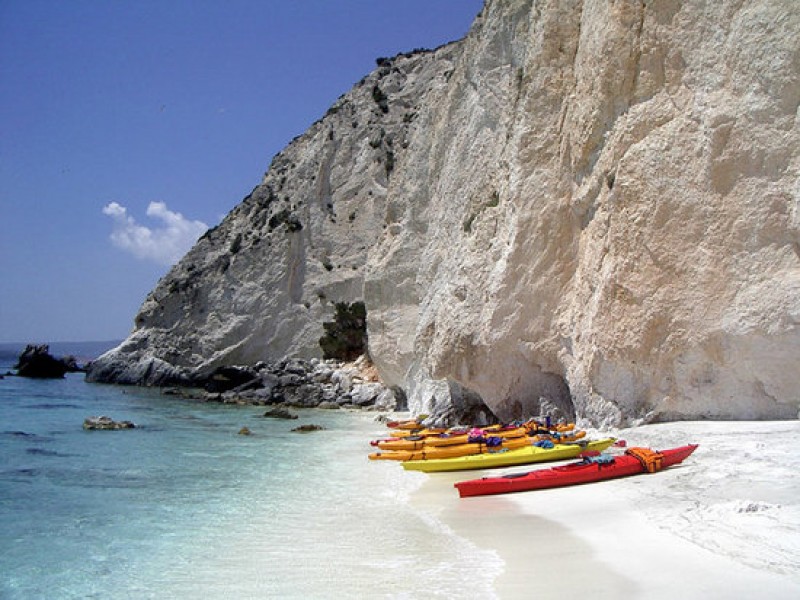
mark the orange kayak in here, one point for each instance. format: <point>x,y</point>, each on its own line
<point>418,442</point>
<point>427,452</point>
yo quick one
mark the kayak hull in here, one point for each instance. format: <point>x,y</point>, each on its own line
<point>572,474</point>
<point>521,456</point>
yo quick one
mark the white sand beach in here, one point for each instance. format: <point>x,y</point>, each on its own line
<point>724,524</point>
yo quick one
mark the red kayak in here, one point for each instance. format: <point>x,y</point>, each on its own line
<point>590,469</point>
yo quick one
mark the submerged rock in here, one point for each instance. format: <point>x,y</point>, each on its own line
<point>279,413</point>
<point>104,422</point>
<point>308,428</point>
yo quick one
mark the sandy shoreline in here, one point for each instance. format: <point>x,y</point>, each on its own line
<point>725,524</point>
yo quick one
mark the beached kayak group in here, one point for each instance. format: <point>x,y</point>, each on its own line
<point>537,440</point>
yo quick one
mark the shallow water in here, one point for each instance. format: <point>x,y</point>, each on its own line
<point>183,506</point>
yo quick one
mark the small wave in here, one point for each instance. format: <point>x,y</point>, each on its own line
<point>32,437</point>
<point>19,434</point>
<point>43,452</point>
<point>107,479</point>
<point>25,472</point>
<point>51,406</point>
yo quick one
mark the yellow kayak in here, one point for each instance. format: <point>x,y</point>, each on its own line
<point>521,456</point>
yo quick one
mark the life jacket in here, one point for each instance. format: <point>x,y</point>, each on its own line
<point>651,460</point>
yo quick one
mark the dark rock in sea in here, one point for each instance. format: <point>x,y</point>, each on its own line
<point>36,362</point>
<point>103,422</point>
<point>308,428</point>
<point>279,413</point>
<point>245,431</point>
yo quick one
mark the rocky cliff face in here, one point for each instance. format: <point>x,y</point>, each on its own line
<point>588,206</point>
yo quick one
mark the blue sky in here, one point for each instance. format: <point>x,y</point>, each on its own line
<point>127,127</point>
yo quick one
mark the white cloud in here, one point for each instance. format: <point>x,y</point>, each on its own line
<point>164,245</point>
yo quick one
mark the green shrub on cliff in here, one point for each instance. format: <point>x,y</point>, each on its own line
<point>346,336</point>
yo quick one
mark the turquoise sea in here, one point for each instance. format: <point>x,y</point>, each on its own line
<point>184,507</point>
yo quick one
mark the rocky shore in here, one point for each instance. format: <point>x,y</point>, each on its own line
<point>298,383</point>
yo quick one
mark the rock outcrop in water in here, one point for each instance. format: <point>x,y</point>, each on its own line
<point>588,206</point>
<point>36,362</point>
<point>106,423</point>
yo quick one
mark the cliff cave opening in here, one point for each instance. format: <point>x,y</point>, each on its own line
<point>467,406</point>
<point>537,393</point>
<point>346,336</point>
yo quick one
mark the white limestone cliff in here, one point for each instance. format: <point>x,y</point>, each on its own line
<point>592,205</point>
